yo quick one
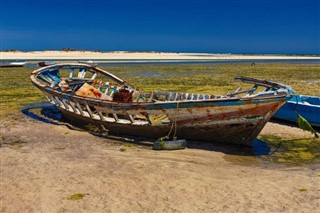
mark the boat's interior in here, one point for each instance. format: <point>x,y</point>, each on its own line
<point>71,79</point>
<point>81,80</point>
<point>307,100</point>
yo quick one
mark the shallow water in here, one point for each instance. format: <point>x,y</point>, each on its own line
<point>161,74</point>
<point>102,62</point>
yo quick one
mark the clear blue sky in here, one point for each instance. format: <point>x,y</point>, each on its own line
<point>213,26</point>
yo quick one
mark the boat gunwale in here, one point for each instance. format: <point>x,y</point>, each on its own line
<point>61,65</point>
<point>301,101</point>
<point>178,103</point>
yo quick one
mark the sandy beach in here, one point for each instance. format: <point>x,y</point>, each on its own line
<point>94,94</point>
<point>123,55</point>
<point>43,165</point>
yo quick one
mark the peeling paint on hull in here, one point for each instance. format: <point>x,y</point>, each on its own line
<point>225,133</point>
<point>226,126</point>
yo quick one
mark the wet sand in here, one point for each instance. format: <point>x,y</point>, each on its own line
<point>43,164</point>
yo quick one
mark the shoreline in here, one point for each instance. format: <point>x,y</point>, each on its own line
<point>90,55</point>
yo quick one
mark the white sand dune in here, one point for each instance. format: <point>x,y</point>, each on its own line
<point>72,55</point>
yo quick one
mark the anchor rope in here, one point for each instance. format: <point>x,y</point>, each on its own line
<point>173,125</point>
<point>175,122</point>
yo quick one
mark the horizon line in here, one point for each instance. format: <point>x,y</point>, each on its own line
<point>154,51</point>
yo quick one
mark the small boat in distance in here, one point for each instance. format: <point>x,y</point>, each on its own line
<point>88,95</point>
<point>46,63</point>
<point>306,106</point>
<point>89,62</point>
<point>13,64</point>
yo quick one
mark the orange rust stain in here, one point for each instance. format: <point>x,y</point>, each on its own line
<point>95,93</point>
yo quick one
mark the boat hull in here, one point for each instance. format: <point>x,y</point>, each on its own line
<point>13,64</point>
<point>311,112</point>
<point>228,125</point>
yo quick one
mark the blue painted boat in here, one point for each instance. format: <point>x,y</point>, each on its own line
<point>306,106</point>
<point>89,95</point>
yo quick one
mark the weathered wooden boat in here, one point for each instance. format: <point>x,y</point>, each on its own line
<point>13,64</point>
<point>89,95</point>
<point>306,106</point>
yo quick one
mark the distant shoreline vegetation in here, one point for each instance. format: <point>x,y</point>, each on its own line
<point>67,49</point>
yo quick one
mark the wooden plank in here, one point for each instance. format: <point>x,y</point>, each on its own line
<point>72,106</point>
<point>88,109</point>
<point>71,73</point>
<point>94,76</point>
<point>131,118</point>
<point>79,108</point>
<point>101,116</point>
<point>115,117</point>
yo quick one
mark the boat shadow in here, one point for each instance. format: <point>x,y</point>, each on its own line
<point>44,112</point>
<point>47,113</point>
<point>258,148</point>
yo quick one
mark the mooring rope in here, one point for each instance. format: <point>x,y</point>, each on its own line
<point>174,125</point>
<point>175,122</point>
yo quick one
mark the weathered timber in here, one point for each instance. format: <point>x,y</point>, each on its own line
<point>232,118</point>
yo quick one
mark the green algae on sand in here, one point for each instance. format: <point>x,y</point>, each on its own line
<point>296,151</point>
<point>77,196</point>
<point>18,91</point>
